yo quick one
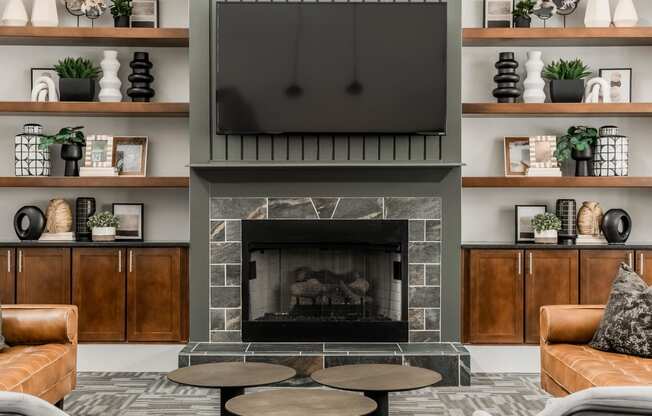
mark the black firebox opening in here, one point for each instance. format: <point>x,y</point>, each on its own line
<point>318,281</point>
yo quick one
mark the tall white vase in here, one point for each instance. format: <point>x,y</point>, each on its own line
<point>534,83</point>
<point>110,83</point>
<point>598,13</point>
<point>44,13</point>
<point>14,14</point>
<point>625,14</point>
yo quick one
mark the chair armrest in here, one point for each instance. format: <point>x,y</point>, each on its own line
<point>39,324</point>
<point>569,324</point>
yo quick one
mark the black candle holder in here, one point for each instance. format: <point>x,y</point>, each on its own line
<point>507,78</point>
<point>140,78</point>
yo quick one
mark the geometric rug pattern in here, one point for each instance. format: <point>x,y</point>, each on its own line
<point>140,394</point>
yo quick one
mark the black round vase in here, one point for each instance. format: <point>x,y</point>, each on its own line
<point>616,226</point>
<point>72,154</point>
<point>140,78</point>
<point>35,223</point>
<point>583,161</point>
<point>121,21</point>
<point>507,78</point>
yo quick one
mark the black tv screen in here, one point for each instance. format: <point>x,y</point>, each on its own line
<point>287,68</point>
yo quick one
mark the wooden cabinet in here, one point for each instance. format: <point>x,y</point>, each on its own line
<point>7,276</point>
<point>99,291</point>
<point>494,296</point>
<point>644,265</point>
<point>154,291</point>
<point>43,275</point>
<point>551,278</point>
<point>598,269</point>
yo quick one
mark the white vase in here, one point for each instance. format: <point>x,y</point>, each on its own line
<point>14,14</point>
<point>44,13</point>
<point>545,237</point>
<point>534,83</point>
<point>104,234</point>
<point>625,14</point>
<point>110,83</point>
<point>598,14</point>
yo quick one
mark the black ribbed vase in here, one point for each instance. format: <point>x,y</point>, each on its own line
<point>140,78</point>
<point>567,213</point>
<point>507,78</point>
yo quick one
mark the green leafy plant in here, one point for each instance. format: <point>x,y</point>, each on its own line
<point>77,68</point>
<point>103,219</point>
<point>574,69</point>
<point>546,222</point>
<point>121,8</point>
<point>524,8</point>
<point>67,135</point>
<point>578,138</point>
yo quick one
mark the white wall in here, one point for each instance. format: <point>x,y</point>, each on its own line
<point>488,214</point>
<point>166,216</point>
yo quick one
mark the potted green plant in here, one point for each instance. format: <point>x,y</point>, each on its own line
<point>546,227</point>
<point>578,143</point>
<point>566,80</point>
<point>77,78</point>
<point>71,140</point>
<point>522,12</point>
<point>103,226</point>
<point>121,11</point>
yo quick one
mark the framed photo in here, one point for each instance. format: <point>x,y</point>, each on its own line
<point>131,218</point>
<point>517,156</point>
<point>99,152</point>
<point>542,152</point>
<point>36,73</point>
<point>145,13</point>
<point>523,217</point>
<point>620,80</point>
<point>498,13</point>
<point>130,155</point>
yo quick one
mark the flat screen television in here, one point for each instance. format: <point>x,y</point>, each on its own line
<point>284,68</point>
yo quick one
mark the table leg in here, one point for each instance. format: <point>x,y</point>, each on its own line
<point>226,394</point>
<point>382,400</point>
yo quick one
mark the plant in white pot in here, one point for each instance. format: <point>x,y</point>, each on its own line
<point>546,227</point>
<point>103,226</point>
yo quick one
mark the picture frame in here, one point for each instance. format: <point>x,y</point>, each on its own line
<point>36,73</point>
<point>99,152</point>
<point>620,80</point>
<point>144,14</point>
<point>132,220</point>
<point>517,155</point>
<point>130,155</point>
<point>523,215</point>
<point>542,152</point>
<point>498,13</point>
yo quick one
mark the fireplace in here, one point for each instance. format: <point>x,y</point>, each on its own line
<point>325,280</point>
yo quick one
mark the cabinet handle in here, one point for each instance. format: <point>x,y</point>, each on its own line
<point>530,264</point>
<point>119,261</point>
<point>520,263</point>
<point>8,261</point>
<point>20,261</point>
<point>642,264</point>
<point>631,260</point>
<point>131,261</point>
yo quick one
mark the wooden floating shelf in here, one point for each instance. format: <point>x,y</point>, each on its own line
<point>94,182</point>
<point>96,109</point>
<point>556,182</point>
<point>557,110</point>
<point>284,164</point>
<point>576,36</point>
<point>98,36</point>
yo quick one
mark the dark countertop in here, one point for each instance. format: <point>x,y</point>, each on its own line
<point>513,246</point>
<point>151,244</point>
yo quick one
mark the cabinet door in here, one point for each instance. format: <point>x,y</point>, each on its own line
<point>495,296</point>
<point>644,265</point>
<point>99,290</point>
<point>43,276</point>
<point>551,278</point>
<point>154,290</point>
<point>7,276</point>
<point>598,270</point>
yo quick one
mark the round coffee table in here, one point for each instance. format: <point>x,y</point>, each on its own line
<point>376,381</point>
<point>301,402</point>
<point>231,378</point>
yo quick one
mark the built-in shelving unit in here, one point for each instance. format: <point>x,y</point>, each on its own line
<point>570,37</point>
<point>94,182</point>
<point>557,110</point>
<point>557,182</point>
<point>96,109</point>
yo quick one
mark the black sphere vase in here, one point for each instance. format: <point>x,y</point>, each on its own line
<point>141,79</point>
<point>616,226</point>
<point>72,154</point>
<point>507,79</point>
<point>583,160</point>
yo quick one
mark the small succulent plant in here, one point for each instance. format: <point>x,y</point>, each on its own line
<point>574,69</point>
<point>77,68</point>
<point>546,222</point>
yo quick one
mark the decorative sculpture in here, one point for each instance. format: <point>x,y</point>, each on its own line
<point>617,226</point>
<point>59,217</point>
<point>596,89</point>
<point>29,223</point>
<point>140,78</point>
<point>110,83</point>
<point>625,14</point>
<point>44,13</point>
<point>589,219</point>
<point>598,13</point>
<point>506,92</point>
<point>15,14</point>
<point>45,90</point>
<point>534,83</point>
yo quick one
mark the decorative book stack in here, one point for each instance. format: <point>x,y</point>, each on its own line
<point>591,240</point>
<point>98,172</point>
<point>57,237</point>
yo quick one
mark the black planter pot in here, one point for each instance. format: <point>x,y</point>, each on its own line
<point>72,154</point>
<point>76,89</point>
<point>121,21</point>
<point>567,90</point>
<point>520,21</point>
<point>583,166</point>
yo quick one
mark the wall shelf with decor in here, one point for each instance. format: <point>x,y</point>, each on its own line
<point>557,182</point>
<point>568,37</point>
<point>281,164</point>
<point>96,109</point>
<point>99,36</point>
<point>94,182</point>
<point>557,110</point>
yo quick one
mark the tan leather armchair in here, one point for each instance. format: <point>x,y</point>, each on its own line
<point>569,365</point>
<point>42,358</point>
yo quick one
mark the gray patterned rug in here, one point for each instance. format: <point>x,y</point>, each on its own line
<point>137,394</point>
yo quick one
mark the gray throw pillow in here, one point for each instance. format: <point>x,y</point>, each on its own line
<point>626,326</point>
